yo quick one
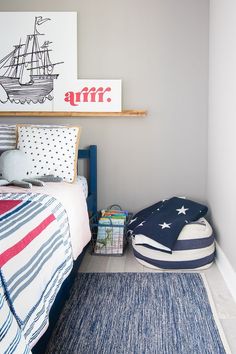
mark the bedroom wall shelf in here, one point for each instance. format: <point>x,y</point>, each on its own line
<point>125,113</point>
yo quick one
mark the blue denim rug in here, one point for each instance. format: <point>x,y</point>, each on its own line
<point>137,313</point>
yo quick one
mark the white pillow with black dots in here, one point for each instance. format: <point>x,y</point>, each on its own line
<point>53,150</point>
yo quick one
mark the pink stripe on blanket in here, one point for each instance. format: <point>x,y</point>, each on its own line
<point>19,246</point>
<point>6,205</point>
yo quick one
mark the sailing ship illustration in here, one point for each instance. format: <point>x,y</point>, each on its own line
<point>26,73</point>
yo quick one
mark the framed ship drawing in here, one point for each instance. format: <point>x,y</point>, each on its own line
<point>36,50</point>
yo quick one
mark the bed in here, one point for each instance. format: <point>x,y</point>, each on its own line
<point>50,229</point>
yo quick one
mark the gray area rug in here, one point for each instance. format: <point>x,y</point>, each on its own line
<point>137,313</point>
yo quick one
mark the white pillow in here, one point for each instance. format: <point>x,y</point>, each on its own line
<point>53,150</point>
<point>7,137</point>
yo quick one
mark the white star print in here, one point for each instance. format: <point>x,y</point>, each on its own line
<point>132,221</point>
<point>182,210</point>
<point>165,225</point>
<point>141,224</point>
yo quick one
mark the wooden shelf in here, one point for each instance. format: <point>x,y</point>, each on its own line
<point>126,113</point>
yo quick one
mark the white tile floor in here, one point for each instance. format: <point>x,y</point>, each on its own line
<point>224,303</point>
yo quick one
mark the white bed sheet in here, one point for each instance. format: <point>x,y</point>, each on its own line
<point>83,181</point>
<point>71,196</point>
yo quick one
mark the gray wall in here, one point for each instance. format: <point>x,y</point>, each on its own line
<point>221,187</point>
<point>159,48</point>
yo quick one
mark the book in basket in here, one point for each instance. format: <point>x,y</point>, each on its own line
<point>110,235</point>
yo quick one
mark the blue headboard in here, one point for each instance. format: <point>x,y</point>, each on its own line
<point>91,155</point>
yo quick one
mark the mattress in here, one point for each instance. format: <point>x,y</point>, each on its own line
<point>72,197</point>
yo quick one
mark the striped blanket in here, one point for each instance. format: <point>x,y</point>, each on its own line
<point>11,337</point>
<point>163,221</point>
<point>35,257</point>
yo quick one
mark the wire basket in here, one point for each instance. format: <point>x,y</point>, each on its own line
<point>109,237</point>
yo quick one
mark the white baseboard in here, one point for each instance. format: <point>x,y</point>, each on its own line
<point>226,270</point>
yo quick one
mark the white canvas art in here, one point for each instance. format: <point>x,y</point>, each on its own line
<point>37,49</point>
<point>88,96</point>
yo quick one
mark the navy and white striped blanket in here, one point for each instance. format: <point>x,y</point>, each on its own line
<point>163,221</point>
<point>35,257</point>
<point>11,338</point>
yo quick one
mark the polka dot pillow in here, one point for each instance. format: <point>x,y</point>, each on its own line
<point>53,150</point>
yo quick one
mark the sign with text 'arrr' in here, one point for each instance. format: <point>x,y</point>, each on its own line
<point>88,96</point>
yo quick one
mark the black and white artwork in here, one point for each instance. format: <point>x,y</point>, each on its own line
<point>36,50</point>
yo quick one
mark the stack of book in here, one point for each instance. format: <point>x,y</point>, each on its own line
<point>110,235</point>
